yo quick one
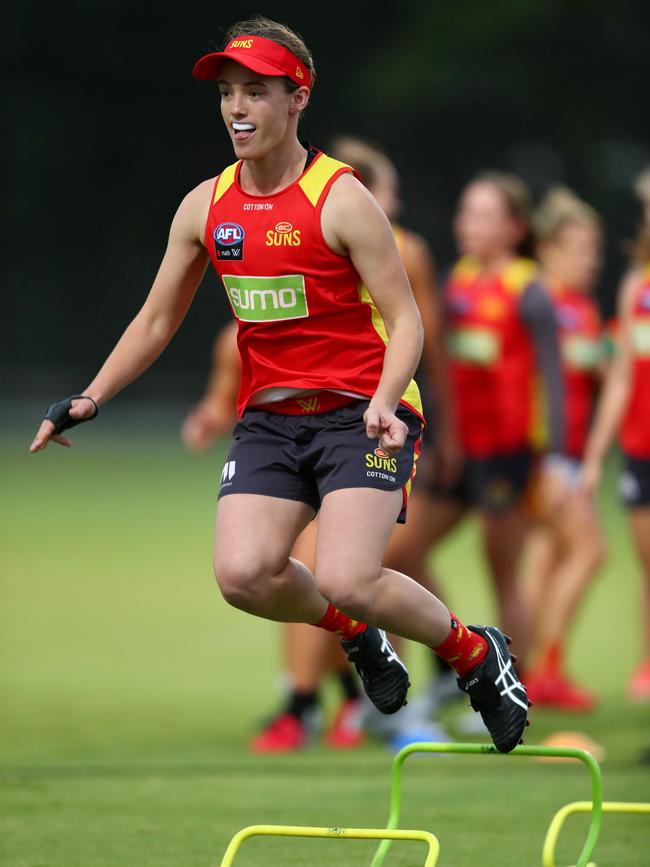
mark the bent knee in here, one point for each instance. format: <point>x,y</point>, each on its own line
<point>242,584</point>
<point>349,592</point>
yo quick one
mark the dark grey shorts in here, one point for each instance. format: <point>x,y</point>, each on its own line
<point>304,457</point>
<point>634,482</point>
<point>492,484</point>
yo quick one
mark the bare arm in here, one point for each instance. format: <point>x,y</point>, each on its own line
<point>421,273</point>
<point>171,294</point>
<point>354,224</point>
<point>537,314</point>
<point>616,390</point>
<point>217,410</point>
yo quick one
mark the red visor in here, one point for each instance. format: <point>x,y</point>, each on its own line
<point>257,53</point>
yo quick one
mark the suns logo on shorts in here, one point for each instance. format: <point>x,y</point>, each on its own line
<point>379,460</point>
<point>284,235</point>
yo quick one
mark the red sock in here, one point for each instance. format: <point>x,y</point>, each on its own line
<point>462,649</point>
<point>550,660</point>
<point>336,621</point>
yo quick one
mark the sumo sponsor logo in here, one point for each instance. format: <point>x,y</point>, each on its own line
<point>229,241</point>
<point>284,235</point>
<point>267,299</point>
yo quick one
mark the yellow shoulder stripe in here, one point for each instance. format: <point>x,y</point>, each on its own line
<point>317,176</point>
<point>466,269</point>
<point>412,394</point>
<point>518,274</point>
<point>226,180</point>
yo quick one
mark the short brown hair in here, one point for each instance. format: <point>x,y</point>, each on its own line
<point>517,199</point>
<point>368,159</point>
<point>560,207</point>
<point>280,34</point>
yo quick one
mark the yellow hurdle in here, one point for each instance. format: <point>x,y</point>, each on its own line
<point>332,834</point>
<point>558,820</point>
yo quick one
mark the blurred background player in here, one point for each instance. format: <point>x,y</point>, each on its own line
<point>311,653</point>
<point>501,337</point>
<point>216,413</point>
<point>566,546</point>
<point>626,400</point>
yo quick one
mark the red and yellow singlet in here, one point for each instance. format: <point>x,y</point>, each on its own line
<point>492,359</point>
<point>305,321</point>
<point>581,344</point>
<point>635,434</point>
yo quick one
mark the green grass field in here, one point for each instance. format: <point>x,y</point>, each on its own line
<point>128,689</point>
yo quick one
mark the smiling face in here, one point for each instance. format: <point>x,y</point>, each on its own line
<point>573,257</point>
<point>259,112</point>
<point>483,226</point>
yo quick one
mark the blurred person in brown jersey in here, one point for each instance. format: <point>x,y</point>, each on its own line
<point>308,653</point>
<point>624,408</point>
<point>566,546</point>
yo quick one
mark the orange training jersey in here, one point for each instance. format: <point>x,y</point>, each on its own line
<point>305,321</point>
<point>491,357</point>
<point>582,350</point>
<point>635,435</point>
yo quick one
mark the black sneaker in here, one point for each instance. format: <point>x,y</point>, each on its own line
<point>496,692</point>
<point>383,674</point>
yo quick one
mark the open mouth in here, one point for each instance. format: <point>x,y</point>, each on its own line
<point>242,131</point>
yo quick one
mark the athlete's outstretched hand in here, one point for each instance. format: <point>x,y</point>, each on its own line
<point>205,423</point>
<point>80,409</point>
<point>382,424</point>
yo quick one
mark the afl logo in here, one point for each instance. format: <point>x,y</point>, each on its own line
<point>229,241</point>
<point>229,234</point>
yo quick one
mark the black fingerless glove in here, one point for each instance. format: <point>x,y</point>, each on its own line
<point>59,413</point>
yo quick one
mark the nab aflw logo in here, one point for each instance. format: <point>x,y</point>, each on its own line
<point>227,473</point>
<point>229,241</point>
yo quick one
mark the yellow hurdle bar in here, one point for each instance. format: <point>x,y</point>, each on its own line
<point>558,820</point>
<point>332,834</point>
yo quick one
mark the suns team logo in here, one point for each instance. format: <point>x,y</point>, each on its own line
<point>379,460</point>
<point>283,235</point>
<point>229,241</point>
